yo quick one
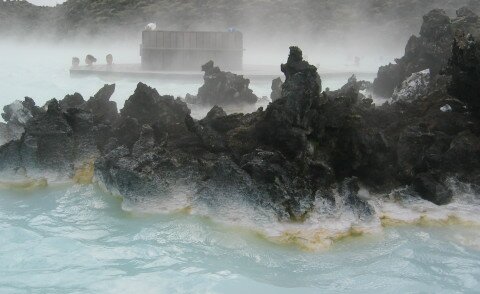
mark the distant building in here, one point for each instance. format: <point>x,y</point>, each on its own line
<point>182,50</point>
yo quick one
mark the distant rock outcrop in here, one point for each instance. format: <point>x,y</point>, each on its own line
<point>222,88</point>
<point>431,50</point>
<point>413,87</point>
<point>276,89</point>
<point>16,116</point>
<point>464,67</point>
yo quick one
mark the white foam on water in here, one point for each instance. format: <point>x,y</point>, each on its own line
<point>327,223</point>
<point>82,240</point>
<point>78,230</point>
<point>464,209</point>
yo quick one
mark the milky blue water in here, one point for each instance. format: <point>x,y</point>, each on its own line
<point>66,238</point>
<point>77,239</point>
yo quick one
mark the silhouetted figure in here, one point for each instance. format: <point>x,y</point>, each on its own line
<point>151,27</point>
<point>89,60</point>
<point>109,59</point>
<point>75,62</point>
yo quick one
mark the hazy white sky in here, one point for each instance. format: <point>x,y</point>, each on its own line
<point>46,2</point>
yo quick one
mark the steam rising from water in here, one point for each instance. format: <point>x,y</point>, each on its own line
<point>41,71</point>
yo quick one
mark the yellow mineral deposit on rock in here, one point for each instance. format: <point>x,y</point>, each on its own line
<point>84,174</point>
<point>28,184</point>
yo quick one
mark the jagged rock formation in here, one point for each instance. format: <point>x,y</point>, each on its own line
<point>431,50</point>
<point>464,67</point>
<point>263,157</point>
<point>16,116</point>
<point>302,146</point>
<point>62,136</point>
<point>276,89</point>
<point>414,87</point>
<point>306,145</point>
<point>222,88</point>
<point>352,85</point>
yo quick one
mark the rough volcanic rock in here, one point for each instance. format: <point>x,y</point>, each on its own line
<point>5,134</point>
<point>104,110</point>
<point>208,129</point>
<point>388,78</point>
<point>348,191</point>
<point>152,152</point>
<point>327,138</point>
<point>86,134</point>
<point>352,87</point>
<point>222,88</point>
<point>164,114</point>
<point>467,21</point>
<point>432,189</point>
<point>288,121</point>
<point>467,13</point>
<point>423,138</point>
<point>464,154</point>
<point>72,101</point>
<point>47,142</point>
<point>223,156</point>
<point>437,136</point>
<point>148,107</point>
<point>20,112</point>
<point>464,67</point>
<point>302,147</point>
<point>276,89</point>
<point>431,50</point>
<point>16,116</point>
<point>67,134</point>
<point>413,87</point>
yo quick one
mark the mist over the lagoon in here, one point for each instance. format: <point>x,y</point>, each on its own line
<point>40,70</point>
<point>333,34</point>
<point>343,37</point>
